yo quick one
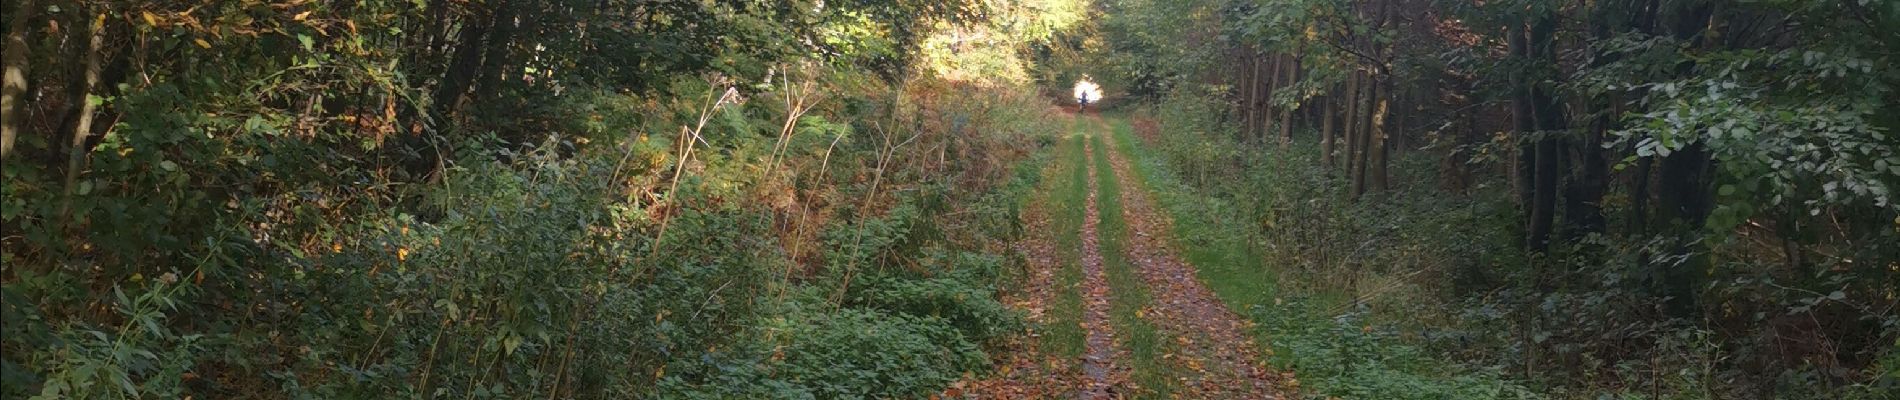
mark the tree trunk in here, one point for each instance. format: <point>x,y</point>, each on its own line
<point>495,58</point>
<point>1524,123</point>
<point>1685,206</point>
<point>1381,143</point>
<point>17,65</point>
<point>1326,129</point>
<point>1252,86</point>
<point>76,153</point>
<point>1589,179</point>
<point>1543,196</point>
<point>1639,195</point>
<point>1362,157</point>
<point>1267,109</point>
<point>1550,121</point>
<point>1286,113</point>
<point>1400,97</point>
<point>462,65</point>
<point>437,30</point>
<point>1685,175</point>
<point>1348,119</point>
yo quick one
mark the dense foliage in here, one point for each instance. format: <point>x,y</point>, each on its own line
<point>1646,199</point>
<point>510,198</point>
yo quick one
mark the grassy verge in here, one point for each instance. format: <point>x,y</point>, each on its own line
<point>1128,294</point>
<point>1335,352</point>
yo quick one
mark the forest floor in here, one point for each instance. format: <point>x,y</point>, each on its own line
<point>1148,328</point>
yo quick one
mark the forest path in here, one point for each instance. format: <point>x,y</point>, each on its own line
<point>1211,356</point>
<point>1137,322</point>
<point>1071,350</point>
<point>1099,362</point>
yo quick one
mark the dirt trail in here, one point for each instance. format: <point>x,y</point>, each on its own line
<point>1098,363</point>
<point>1217,358</point>
<point>1212,356</point>
<point>1029,373</point>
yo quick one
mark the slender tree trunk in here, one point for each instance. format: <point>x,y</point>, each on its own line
<point>1543,196</point>
<point>1589,180</point>
<point>17,66</point>
<point>1250,106</point>
<point>1326,129</point>
<point>463,65</point>
<point>1524,124</point>
<point>1362,158</point>
<point>1273,84</point>
<point>1685,176</point>
<point>495,59</point>
<point>1550,121</point>
<point>1583,214</point>
<point>1381,142</point>
<point>438,30</point>
<point>1286,114</point>
<point>76,153</point>
<point>1351,134</point>
<point>1685,206</point>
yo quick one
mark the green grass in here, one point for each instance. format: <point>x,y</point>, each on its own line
<point>1345,356</point>
<point>1128,293</point>
<point>1067,194</point>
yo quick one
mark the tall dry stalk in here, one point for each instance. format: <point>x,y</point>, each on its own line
<point>687,137</point>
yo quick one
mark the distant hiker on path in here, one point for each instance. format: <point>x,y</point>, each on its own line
<point>1086,91</point>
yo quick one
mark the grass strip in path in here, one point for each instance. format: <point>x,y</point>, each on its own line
<point>1069,193</point>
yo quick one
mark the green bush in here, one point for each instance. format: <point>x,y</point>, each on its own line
<point>845,354</point>
<point>961,297</point>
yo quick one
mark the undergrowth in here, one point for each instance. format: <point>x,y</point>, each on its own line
<point>834,261</point>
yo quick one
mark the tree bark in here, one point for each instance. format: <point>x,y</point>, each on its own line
<point>76,152</point>
<point>1362,157</point>
<point>437,30</point>
<point>1380,143</point>
<point>1639,195</point>
<point>1685,175</point>
<point>1589,179</point>
<point>1267,109</point>
<point>1524,124</point>
<point>1326,129</point>
<point>462,65</point>
<point>1348,119</point>
<point>495,59</point>
<point>1550,121</point>
<point>1286,113</point>
<point>1252,86</point>
<point>17,66</point>
<point>1685,206</point>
